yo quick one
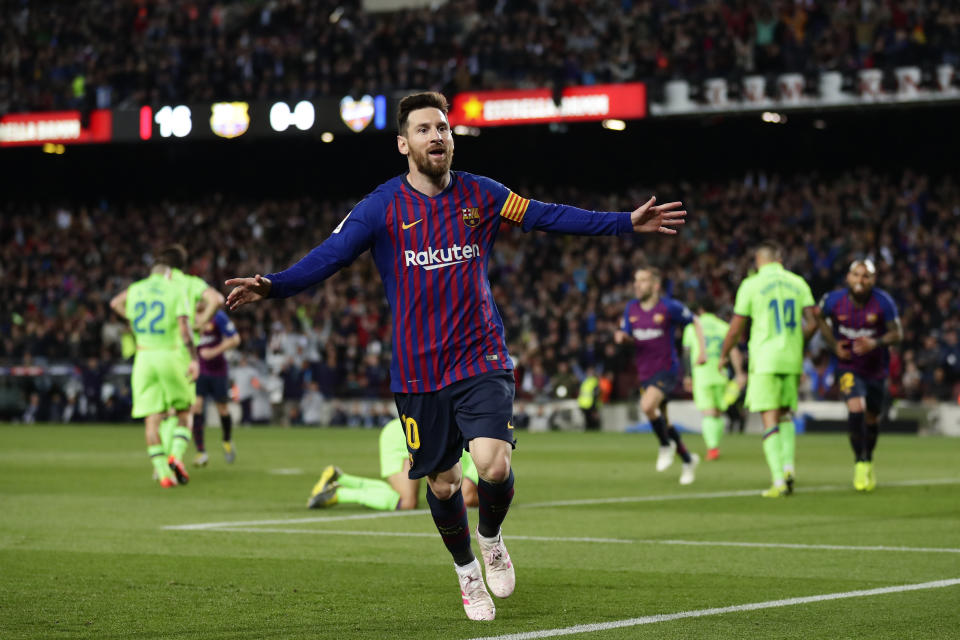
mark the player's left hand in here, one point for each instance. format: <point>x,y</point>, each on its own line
<point>724,361</point>
<point>650,218</point>
<point>702,359</point>
<point>193,370</point>
<point>864,345</point>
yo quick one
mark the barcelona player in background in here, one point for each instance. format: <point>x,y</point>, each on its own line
<point>219,336</point>
<point>859,323</point>
<point>431,232</point>
<point>651,322</point>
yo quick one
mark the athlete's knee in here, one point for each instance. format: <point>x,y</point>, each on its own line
<point>445,485</point>
<point>492,459</point>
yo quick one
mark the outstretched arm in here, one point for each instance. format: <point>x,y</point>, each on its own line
<point>354,236</point>
<point>560,218</point>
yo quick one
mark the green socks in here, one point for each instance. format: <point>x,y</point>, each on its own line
<point>166,432</point>
<point>380,498</point>
<point>369,492</point>
<point>181,440</point>
<point>772,451</point>
<point>159,461</point>
<point>788,444</point>
<point>712,431</point>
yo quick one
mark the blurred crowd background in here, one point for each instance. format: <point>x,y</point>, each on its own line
<point>560,297</point>
<point>123,53</point>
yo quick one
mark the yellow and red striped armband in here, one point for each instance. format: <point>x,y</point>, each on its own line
<point>514,209</point>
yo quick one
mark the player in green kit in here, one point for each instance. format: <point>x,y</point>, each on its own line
<point>708,381</point>
<point>780,308</point>
<point>158,312</point>
<point>397,490</point>
<point>203,301</point>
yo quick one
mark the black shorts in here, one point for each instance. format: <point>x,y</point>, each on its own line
<point>213,387</point>
<point>665,380</point>
<point>440,424</point>
<point>853,385</point>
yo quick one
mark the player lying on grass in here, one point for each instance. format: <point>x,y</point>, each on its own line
<point>398,491</point>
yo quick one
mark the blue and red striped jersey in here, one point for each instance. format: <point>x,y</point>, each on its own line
<point>851,321</point>
<point>654,334</point>
<point>432,255</point>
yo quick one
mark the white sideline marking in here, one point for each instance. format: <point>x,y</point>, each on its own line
<point>557,503</point>
<point>771,604</point>
<point>286,472</point>
<point>692,543</point>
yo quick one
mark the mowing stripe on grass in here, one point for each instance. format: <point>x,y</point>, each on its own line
<point>692,543</point>
<point>543,505</point>
<point>770,604</point>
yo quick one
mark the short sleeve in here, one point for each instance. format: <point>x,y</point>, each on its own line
<point>887,305</point>
<point>625,323</point>
<point>680,315</point>
<point>509,206</point>
<point>827,302</point>
<point>224,324</point>
<point>741,305</point>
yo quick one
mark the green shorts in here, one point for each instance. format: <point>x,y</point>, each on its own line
<point>709,396</point>
<point>159,381</point>
<point>768,391</point>
<point>393,452</point>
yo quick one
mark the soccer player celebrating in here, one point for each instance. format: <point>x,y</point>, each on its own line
<point>157,310</point>
<point>431,232</point>
<point>398,492</point>
<point>651,321</point>
<point>859,323</point>
<point>708,381</point>
<point>219,336</point>
<point>773,299</point>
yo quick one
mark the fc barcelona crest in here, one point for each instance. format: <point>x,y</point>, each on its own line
<point>658,318</point>
<point>871,318</point>
<point>471,216</point>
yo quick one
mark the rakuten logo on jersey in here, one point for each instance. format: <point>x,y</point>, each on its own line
<point>853,334</point>
<point>647,334</point>
<point>438,258</point>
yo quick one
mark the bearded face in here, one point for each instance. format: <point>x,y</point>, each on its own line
<point>435,160</point>
<point>428,142</point>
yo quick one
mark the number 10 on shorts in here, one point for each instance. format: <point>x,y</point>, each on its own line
<point>412,431</point>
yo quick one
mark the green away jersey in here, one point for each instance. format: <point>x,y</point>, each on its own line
<point>154,305</point>
<point>774,299</point>
<point>193,287</point>
<point>714,331</point>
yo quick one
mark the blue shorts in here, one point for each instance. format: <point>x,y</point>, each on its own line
<point>853,385</point>
<point>213,387</point>
<point>440,424</point>
<point>666,381</point>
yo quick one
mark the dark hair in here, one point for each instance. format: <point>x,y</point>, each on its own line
<point>706,304</point>
<point>419,101</point>
<point>174,256</point>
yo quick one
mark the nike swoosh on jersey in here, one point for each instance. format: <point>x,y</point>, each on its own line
<point>415,222</point>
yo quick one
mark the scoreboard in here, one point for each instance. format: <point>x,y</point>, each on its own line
<point>321,118</point>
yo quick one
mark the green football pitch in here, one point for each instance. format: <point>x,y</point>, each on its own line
<point>604,547</point>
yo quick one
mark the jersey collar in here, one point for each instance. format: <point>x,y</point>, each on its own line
<point>447,189</point>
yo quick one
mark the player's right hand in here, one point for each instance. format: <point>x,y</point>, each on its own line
<point>247,290</point>
<point>843,350</point>
<point>619,336</point>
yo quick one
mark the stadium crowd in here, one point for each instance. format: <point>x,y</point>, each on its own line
<point>110,53</point>
<point>60,264</point>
